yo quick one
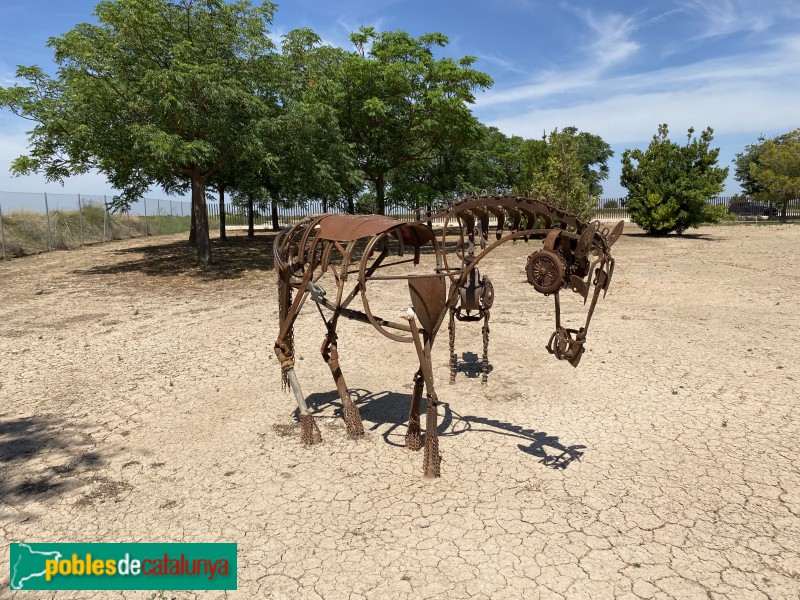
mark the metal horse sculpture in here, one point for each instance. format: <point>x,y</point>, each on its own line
<point>575,256</point>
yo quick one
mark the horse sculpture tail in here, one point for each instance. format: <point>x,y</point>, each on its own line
<point>284,304</point>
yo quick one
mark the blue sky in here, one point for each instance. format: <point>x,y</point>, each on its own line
<point>615,68</point>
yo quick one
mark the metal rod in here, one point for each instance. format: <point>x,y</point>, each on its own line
<point>298,393</point>
<point>2,235</point>
<point>49,235</point>
<point>80,217</point>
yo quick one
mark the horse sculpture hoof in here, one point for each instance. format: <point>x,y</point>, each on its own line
<point>413,438</point>
<point>352,420</point>
<point>309,432</point>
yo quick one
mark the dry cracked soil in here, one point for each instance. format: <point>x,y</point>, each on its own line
<point>140,400</point>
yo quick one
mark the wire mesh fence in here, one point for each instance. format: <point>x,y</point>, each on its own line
<point>31,223</point>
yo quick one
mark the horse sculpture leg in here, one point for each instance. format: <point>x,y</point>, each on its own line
<point>330,354</point>
<point>413,432</point>
<point>309,432</point>
<point>431,463</point>
<point>485,362</point>
<point>453,357</point>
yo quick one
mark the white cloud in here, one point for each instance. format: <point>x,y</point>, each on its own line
<point>635,117</point>
<point>502,61</point>
<point>746,93</point>
<point>724,17</point>
<point>612,45</point>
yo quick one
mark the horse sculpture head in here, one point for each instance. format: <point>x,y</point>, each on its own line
<point>575,258</point>
<point>578,262</point>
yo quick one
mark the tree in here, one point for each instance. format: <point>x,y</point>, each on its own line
<point>593,155</point>
<point>309,155</point>
<point>751,155</point>
<point>561,178</point>
<point>742,162</point>
<point>400,103</point>
<point>776,173</point>
<point>669,185</point>
<point>589,150</point>
<point>156,91</point>
<point>493,161</point>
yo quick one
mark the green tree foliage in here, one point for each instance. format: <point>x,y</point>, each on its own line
<point>742,162</point>
<point>776,173</point>
<point>533,162</point>
<point>669,185</point>
<point>553,170</point>
<point>566,168</point>
<point>493,162</point>
<point>751,155</point>
<point>592,153</point>
<point>593,156</point>
<point>401,105</point>
<point>312,157</point>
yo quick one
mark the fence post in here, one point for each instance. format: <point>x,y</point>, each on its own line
<point>2,235</point>
<point>128,213</point>
<point>158,216</point>
<point>80,217</point>
<point>146,230</point>
<point>47,212</point>
<point>105,217</point>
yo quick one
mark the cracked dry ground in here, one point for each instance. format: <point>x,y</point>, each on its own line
<point>140,401</point>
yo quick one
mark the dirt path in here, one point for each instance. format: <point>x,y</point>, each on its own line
<point>140,401</point>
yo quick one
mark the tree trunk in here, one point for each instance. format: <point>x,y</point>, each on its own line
<point>250,221</point>
<point>202,240</point>
<point>351,206</point>
<point>274,204</point>
<point>429,209</point>
<point>222,234</point>
<point>784,208</point>
<point>380,195</point>
<point>193,224</point>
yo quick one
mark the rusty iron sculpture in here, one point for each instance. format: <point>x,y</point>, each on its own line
<point>575,256</point>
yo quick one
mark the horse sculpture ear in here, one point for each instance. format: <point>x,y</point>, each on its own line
<point>615,233</point>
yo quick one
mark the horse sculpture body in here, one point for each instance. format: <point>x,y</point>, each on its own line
<point>575,256</point>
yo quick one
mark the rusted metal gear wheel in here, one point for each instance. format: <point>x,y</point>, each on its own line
<point>488,294</point>
<point>545,271</point>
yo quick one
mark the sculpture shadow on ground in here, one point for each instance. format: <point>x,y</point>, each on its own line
<point>26,447</point>
<point>391,408</point>
<point>470,365</point>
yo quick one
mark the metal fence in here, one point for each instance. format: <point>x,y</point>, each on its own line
<point>32,223</point>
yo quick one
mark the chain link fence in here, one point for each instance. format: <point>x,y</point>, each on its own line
<point>31,223</point>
